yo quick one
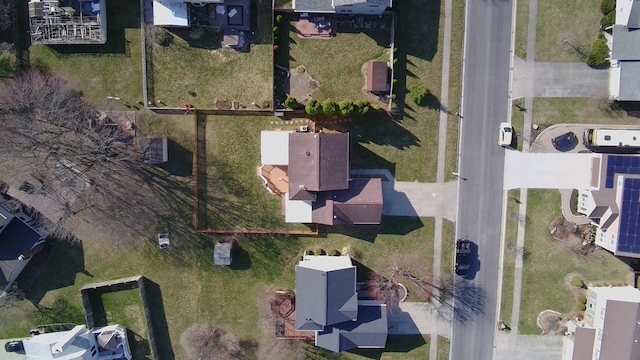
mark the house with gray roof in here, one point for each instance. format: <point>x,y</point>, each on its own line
<point>362,7</point>
<point>313,178</point>
<point>21,238</point>
<point>624,43</point>
<point>327,303</point>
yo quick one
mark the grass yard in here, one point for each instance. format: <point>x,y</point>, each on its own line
<point>447,248</point>
<point>576,22</point>
<point>443,348</point>
<point>336,63</point>
<point>522,27</point>
<point>508,262</point>
<point>194,291</point>
<point>517,122</point>
<point>407,347</point>
<point>100,70</point>
<point>455,88</point>
<point>576,111</point>
<point>546,264</point>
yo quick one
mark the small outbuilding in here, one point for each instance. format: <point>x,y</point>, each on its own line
<point>222,253</point>
<point>377,78</point>
<point>154,150</point>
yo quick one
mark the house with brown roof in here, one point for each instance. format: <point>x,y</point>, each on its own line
<point>311,172</point>
<point>610,329</point>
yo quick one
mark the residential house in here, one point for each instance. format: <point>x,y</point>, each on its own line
<point>103,343</point>
<point>364,7</point>
<point>623,41</point>
<point>327,303</point>
<point>67,22</point>
<point>312,174</point>
<point>611,328</point>
<point>613,203</point>
<point>21,238</point>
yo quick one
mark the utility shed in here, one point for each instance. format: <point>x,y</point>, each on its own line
<point>222,253</point>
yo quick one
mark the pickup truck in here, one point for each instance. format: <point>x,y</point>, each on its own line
<point>463,257</point>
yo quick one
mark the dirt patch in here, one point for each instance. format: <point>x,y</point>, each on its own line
<point>550,321</point>
<point>576,238</point>
<point>301,84</point>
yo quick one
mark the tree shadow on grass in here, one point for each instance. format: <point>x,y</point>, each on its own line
<point>138,345</point>
<point>180,160</point>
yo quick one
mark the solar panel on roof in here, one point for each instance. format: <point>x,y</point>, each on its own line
<point>629,231</point>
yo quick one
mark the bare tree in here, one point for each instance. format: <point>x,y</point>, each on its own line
<point>387,291</point>
<point>208,342</point>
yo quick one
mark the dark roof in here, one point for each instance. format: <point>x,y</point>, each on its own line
<point>222,254</point>
<point>325,297</point>
<point>634,16</point>
<point>317,162</point>
<point>313,6</point>
<point>351,2</point>
<point>15,239</point>
<point>625,43</point>
<point>621,164</point>
<point>583,343</point>
<point>377,76</point>
<point>629,232</point>
<point>360,204</point>
<point>621,331</point>
<point>370,330</point>
<point>154,150</point>
<point>629,80</point>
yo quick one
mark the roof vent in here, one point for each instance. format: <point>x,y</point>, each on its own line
<point>308,153</point>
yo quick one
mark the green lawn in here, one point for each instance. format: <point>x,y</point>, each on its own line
<point>517,121</point>
<point>575,111</point>
<point>522,26</point>
<point>443,348</point>
<point>576,22</point>
<point>508,262</point>
<point>546,264</point>
<point>447,248</point>
<point>100,70</point>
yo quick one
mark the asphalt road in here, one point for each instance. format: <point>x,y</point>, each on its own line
<point>485,104</point>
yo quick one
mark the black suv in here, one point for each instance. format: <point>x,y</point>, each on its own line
<point>13,346</point>
<point>563,141</point>
<point>463,257</point>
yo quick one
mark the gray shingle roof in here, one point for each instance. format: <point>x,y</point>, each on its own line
<point>313,6</point>
<point>370,330</point>
<point>625,43</point>
<point>629,81</point>
<point>325,297</point>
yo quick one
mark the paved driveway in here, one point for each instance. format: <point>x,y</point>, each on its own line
<point>420,199</point>
<point>547,171</point>
<point>558,79</point>
<point>543,144</point>
<point>530,347</point>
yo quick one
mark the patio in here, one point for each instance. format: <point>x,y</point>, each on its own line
<point>275,178</point>
<point>316,27</point>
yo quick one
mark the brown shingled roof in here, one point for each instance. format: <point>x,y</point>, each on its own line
<point>360,204</point>
<point>377,76</point>
<point>583,343</point>
<point>317,162</point>
<point>621,331</point>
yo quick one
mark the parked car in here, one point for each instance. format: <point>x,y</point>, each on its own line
<point>463,257</point>
<point>13,346</point>
<point>506,134</point>
<point>565,140</point>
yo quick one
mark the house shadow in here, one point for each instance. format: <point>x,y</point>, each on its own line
<point>201,37</point>
<point>55,268</point>
<point>420,40</point>
<point>378,28</point>
<point>138,345</point>
<point>180,160</point>
<point>363,158</point>
<point>121,15</point>
<point>395,344</point>
<point>155,305</point>
<point>389,225</point>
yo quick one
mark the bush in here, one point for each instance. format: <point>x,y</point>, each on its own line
<point>582,299</point>
<point>320,251</point>
<point>310,252</point>
<point>162,37</point>
<point>577,283</point>
<point>291,103</point>
<point>362,107</point>
<point>275,39</point>
<point>395,61</point>
<point>346,108</point>
<point>313,107</point>
<point>334,252</point>
<point>275,29</point>
<point>607,6</point>
<point>608,20</point>
<point>377,107</point>
<point>278,19</point>
<point>582,307</point>
<point>329,107</point>
<point>393,96</point>
<point>417,93</point>
<point>599,53</point>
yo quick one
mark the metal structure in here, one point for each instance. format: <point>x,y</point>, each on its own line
<point>67,22</point>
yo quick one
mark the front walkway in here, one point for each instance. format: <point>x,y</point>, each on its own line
<point>558,79</point>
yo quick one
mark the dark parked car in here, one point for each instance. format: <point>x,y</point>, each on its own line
<point>463,257</point>
<point>565,140</point>
<point>13,346</point>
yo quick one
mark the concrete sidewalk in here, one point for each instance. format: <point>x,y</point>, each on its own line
<point>558,79</point>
